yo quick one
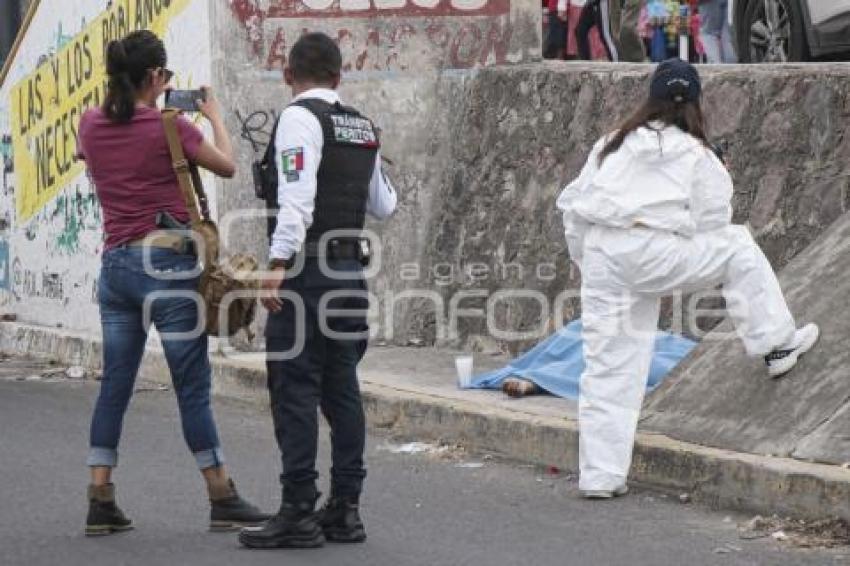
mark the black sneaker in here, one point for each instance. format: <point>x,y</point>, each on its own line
<point>340,520</point>
<point>295,526</point>
<point>104,516</point>
<point>230,512</point>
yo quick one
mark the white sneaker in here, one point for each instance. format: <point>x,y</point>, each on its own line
<point>781,361</point>
<point>604,493</point>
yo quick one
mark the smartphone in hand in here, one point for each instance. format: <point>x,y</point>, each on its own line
<point>185,100</point>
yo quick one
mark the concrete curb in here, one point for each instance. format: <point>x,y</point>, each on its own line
<point>719,478</point>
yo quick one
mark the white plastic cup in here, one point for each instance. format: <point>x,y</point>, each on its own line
<point>463,364</point>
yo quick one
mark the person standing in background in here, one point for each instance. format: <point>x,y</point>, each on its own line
<point>617,21</point>
<point>556,37</point>
<point>716,32</point>
<point>632,49</point>
<point>604,15</point>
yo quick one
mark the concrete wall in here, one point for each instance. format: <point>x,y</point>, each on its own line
<point>520,134</point>
<point>50,220</point>
<point>407,63</point>
<point>482,138</point>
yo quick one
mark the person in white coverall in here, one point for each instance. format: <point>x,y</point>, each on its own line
<point>650,215</point>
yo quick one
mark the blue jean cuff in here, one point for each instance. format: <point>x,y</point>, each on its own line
<point>102,457</point>
<point>211,458</point>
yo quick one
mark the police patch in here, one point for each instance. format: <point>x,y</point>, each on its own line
<point>292,163</point>
<point>351,129</point>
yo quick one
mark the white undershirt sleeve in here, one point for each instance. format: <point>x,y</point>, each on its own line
<point>298,151</point>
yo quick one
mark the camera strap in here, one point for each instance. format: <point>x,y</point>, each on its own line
<point>191,188</point>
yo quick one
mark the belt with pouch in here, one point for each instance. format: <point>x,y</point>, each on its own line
<point>348,248</point>
<point>163,240</point>
<point>333,249</point>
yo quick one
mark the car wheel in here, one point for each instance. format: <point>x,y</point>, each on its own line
<point>772,32</point>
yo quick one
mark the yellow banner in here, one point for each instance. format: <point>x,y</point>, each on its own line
<point>47,104</point>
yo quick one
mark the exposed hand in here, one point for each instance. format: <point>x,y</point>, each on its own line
<point>563,15</point>
<point>270,289</point>
<point>209,107</point>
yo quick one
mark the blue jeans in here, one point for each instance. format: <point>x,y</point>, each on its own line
<point>123,288</point>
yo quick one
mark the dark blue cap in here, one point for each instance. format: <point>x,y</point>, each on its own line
<point>675,80</point>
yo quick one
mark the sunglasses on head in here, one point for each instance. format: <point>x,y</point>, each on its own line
<point>166,74</point>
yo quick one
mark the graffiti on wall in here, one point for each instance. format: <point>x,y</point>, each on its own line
<point>60,39</point>
<point>256,127</point>
<point>6,152</point>
<point>28,284</point>
<point>46,105</point>
<point>76,211</point>
<point>5,267</point>
<point>7,162</point>
<point>49,211</point>
<point>399,34</point>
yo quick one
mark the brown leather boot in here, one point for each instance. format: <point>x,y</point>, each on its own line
<point>228,511</point>
<point>104,516</point>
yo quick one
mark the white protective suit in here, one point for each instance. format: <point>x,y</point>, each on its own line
<point>653,219</point>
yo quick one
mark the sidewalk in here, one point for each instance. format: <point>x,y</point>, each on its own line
<point>411,392</point>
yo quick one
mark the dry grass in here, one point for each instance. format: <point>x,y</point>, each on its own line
<point>824,533</point>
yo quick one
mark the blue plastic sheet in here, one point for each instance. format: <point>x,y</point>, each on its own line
<point>557,363</point>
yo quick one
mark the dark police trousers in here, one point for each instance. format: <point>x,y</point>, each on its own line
<point>323,375</point>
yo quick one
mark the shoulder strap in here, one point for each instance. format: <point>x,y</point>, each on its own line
<point>187,174</point>
<point>269,155</point>
<point>348,109</point>
<point>320,107</point>
<point>315,105</point>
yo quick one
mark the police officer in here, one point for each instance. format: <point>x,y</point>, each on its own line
<point>329,177</point>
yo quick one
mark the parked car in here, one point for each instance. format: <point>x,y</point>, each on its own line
<point>774,31</point>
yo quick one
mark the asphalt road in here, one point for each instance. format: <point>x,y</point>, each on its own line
<point>420,509</point>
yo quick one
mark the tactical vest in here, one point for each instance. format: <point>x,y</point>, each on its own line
<point>345,172</point>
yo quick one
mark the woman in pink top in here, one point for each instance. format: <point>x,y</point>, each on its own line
<point>146,275</point>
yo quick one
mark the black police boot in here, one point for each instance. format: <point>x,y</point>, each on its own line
<point>295,526</point>
<point>340,520</point>
<point>104,516</point>
<point>228,511</point>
